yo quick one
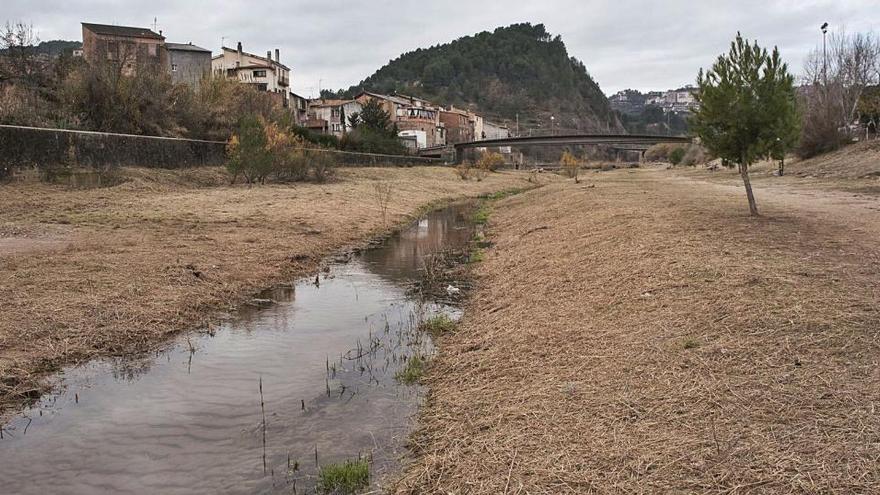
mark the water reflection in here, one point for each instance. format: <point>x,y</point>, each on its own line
<point>321,361</point>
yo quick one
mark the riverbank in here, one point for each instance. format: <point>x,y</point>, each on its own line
<point>111,271</point>
<point>639,332</point>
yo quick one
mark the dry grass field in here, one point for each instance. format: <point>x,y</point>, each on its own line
<point>640,333</point>
<point>115,270</point>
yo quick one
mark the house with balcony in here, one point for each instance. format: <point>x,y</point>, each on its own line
<point>265,73</point>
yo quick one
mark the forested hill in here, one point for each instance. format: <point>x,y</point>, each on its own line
<point>520,69</point>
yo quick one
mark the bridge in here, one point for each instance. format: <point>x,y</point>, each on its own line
<point>631,142</point>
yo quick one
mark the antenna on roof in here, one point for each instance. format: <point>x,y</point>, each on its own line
<point>155,23</point>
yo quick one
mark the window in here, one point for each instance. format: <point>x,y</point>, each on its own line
<point>337,127</point>
<point>263,87</point>
<point>334,112</point>
<point>259,73</point>
<point>173,67</point>
<point>112,50</point>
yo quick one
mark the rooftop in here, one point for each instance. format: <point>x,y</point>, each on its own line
<point>186,47</point>
<point>233,50</point>
<point>127,31</point>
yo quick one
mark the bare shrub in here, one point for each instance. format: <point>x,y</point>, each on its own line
<point>694,155</point>
<point>570,165</point>
<point>463,170</point>
<point>322,164</point>
<point>490,161</point>
<point>382,194</point>
<point>659,152</point>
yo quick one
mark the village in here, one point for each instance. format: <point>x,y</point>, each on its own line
<point>614,253</point>
<point>420,123</point>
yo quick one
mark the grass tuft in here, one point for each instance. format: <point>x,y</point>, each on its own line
<point>438,325</point>
<point>691,344</point>
<point>344,478</point>
<point>412,371</point>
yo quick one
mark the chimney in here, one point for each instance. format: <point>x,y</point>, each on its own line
<point>269,55</point>
<point>239,48</point>
<point>278,55</point>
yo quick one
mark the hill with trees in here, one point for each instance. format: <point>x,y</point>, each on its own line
<point>516,70</point>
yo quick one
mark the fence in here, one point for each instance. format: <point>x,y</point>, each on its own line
<point>22,147</point>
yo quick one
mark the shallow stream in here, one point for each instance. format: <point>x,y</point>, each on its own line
<point>320,357</point>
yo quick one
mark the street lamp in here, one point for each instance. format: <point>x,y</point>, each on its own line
<point>824,29</point>
<point>552,125</point>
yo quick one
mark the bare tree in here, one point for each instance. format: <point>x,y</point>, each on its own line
<point>21,64</point>
<point>832,91</point>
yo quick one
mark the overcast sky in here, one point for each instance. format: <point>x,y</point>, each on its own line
<point>641,44</point>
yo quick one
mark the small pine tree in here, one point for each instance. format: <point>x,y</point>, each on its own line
<point>747,107</point>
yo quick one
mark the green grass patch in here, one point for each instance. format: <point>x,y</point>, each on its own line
<point>438,325</point>
<point>344,478</point>
<point>412,371</point>
<point>477,256</point>
<point>506,193</point>
<point>481,216</point>
<point>691,343</point>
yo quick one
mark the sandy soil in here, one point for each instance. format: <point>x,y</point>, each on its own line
<point>640,333</point>
<point>116,270</point>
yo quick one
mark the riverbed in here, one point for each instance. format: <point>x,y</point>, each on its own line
<point>303,377</point>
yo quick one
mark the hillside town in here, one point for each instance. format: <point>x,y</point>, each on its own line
<point>677,101</point>
<point>421,124</point>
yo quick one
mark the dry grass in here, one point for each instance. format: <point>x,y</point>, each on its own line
<point>646,336</point>
<point>95,272</point>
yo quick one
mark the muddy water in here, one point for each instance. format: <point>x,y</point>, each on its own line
<point>321,359</point>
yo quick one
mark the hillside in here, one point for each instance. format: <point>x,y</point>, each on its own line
<point>54,48</point>
<point>520,69</point>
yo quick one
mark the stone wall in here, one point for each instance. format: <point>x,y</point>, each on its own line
<point>23,147</point>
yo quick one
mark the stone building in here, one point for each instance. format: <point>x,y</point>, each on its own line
<point>188,63</point>
<point>133,48</point>
<point>459,125</point>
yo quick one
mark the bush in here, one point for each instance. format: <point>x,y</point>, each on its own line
<point>490,161</point>
<point>695,155</point>
<point>248,151</point>
<point>463,170</point>
<point>676,156</point>
<point>322,164</point>
<point>570,165</point>
<point>659,152</point>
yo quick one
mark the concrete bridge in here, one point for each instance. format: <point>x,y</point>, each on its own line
<point>632,142</point>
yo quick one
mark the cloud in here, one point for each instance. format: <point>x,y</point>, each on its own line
<point>335,43</point>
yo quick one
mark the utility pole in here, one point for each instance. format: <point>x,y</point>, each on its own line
<point>824,54</point>
<point>517,125</point>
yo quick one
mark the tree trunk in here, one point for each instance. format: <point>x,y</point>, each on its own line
<point>744,172</point>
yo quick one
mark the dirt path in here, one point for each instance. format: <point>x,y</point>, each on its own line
<point>645,335</point>
<point>110,271</point>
